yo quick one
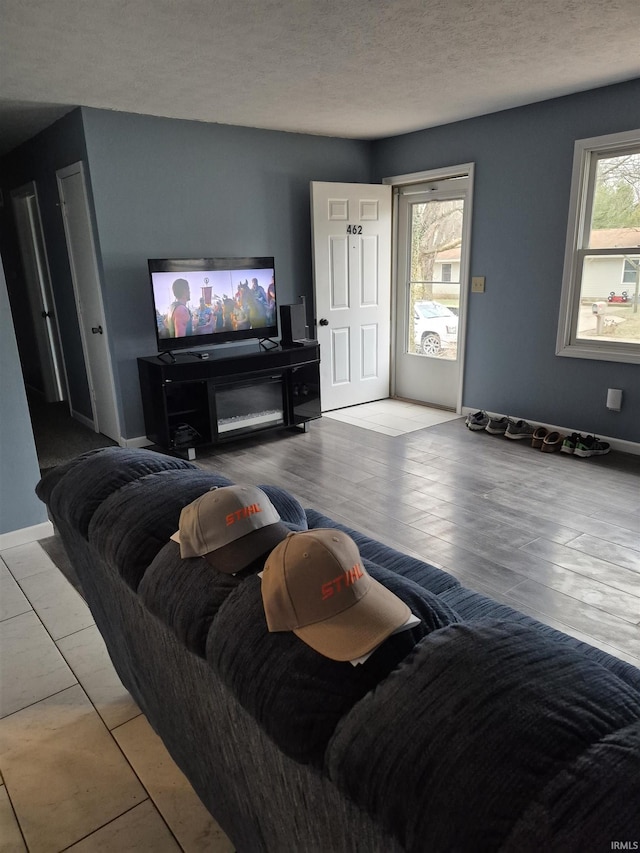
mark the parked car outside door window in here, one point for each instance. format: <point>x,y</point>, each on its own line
<point>435,328</point>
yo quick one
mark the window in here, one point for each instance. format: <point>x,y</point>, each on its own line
<point>630,270</point>
<point>446,272</point>
<point>600,305</point>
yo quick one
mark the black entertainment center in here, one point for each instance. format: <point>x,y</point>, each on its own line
<point>192,401</point>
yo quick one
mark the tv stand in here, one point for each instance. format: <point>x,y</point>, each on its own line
<point>192,401</point>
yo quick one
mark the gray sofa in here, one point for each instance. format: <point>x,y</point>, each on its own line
<point>482,730</point>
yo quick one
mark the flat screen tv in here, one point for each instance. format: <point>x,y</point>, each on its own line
<point>203,301</point>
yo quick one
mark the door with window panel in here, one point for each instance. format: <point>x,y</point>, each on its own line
<point>431,270</point>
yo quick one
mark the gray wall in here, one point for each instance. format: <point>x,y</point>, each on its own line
<point>166,188</point>
<point>37,160</point>
<point>523,160</point>
<point>19,471</point>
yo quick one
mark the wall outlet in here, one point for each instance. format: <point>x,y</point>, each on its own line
<point>477,284</point>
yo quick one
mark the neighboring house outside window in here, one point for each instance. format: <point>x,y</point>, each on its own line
<point>446,269</point>
<point>606,275</point>
<point>600,306</point>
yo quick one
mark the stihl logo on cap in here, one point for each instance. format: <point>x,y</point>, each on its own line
<point>341,582</point>
<point>243,512</point>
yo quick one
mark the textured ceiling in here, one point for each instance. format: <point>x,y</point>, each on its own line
<point>362,68</point>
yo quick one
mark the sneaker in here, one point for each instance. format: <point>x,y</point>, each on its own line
<point>591,446</point>
<point>539,436</point>
<point>478,420</point>
<point>552,441</point>
<point>519,429</point>
<point>497,426</point>
<point>569,444</point>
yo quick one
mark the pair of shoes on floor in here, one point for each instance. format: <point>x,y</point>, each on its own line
<point>477,421</point>
<point>552,442</point>
<point>510,428</point>
<point>518,429</point>
<point>497,426</point>
<point>538,437</point>
<point>546,441</point>
<point>584,446</point>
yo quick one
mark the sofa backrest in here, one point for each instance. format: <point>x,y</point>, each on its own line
<point>75,490</point>
<point>484,721</point>
<point>136,520</point>
<point>297,695</point>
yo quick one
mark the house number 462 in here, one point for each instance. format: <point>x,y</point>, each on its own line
<point>354,229</point>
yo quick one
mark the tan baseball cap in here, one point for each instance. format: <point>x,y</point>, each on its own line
<point>314,584</point>
<point>230,527</point>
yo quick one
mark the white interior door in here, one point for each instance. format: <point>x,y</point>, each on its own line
<point>39,294</point>
<point>86,283</point>
<point>351,225</point>
<point>432,274</point>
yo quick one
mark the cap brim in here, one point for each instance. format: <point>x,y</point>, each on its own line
<point>238,554</point>
<point>358,629</point>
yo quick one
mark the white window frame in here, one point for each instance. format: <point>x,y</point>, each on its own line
<point>586,152</point>
<point>630,269</point>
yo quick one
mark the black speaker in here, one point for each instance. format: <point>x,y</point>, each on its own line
<point>292,324</point>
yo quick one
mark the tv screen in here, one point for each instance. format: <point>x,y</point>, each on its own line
<point>204,301</point>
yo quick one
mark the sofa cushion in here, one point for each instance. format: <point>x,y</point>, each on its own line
<point>583,807</point>
<point>296,694</point>
<point>187,594</point>
<point>484,717</point>
<point>135,522</point>
<point>472,606</point>
<point>429,607</point>
<point>53,476</point>
<point>75,492</point>
<point>424,574</point>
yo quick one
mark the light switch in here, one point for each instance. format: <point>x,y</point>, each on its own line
<point>477,284</point>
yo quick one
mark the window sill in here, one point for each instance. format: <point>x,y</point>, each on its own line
<point>629,354</point>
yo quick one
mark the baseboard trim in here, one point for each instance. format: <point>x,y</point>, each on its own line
<point>624,446</point>
<point>620,444</point>
<point>26,535</point>
<point>83,419</point>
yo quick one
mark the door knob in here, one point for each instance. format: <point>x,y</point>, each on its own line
<point>97,330</point>
<point>324,322</point>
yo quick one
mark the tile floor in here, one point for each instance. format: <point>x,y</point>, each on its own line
<point>81,769</point>
<point>391,417</point>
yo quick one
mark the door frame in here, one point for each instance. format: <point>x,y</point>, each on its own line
<point>443,174</point>
<point>61,174</point>
<point>54,374</point>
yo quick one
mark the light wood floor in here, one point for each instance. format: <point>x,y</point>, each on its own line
<point>552,535</point>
